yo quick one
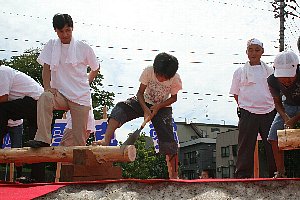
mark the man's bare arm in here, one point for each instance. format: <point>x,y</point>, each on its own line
<point>280,109</point>
<point>4,98</point>
<point>93,74</point>
<point>46,75</point>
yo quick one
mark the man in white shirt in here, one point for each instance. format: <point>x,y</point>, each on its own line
<point>19,94</point>
<point>66,83</point>
<point>18,99</point>
<point>257,109</point>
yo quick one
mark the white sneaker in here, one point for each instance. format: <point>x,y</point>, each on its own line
<point>279,175</point>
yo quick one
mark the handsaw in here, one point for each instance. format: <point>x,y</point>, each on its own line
<point>136,134</point>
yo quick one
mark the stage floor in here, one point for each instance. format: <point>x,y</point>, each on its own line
<point>262,188</point>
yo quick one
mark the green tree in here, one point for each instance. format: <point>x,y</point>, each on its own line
<point>147,164</point>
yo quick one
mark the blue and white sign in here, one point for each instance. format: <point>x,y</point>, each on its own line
<point>6,142</point>
<point>101,126</point>
<point>154,137</point>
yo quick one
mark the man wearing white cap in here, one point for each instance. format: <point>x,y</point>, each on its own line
<point>285,81</point>
<point>257,110</point>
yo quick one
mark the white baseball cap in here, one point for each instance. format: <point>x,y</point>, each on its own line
<point>254,41</point>
<point>285,64</point>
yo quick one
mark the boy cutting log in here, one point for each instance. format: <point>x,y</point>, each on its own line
<point>159,85</point>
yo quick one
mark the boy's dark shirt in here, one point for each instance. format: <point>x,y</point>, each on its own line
<point>292,93</point>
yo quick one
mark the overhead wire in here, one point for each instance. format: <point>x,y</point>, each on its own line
<point>139,49</point>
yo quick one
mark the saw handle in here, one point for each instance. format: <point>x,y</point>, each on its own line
<point>145,122</point>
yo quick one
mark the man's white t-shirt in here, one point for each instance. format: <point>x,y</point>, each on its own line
<point>13,123</point>
<point>71,81</point>
<point>17,85</point>
<point>157,92</point>
<point>254,97</point>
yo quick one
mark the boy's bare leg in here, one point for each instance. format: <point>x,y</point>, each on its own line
<point>278,156</point>
<point>172,163</point>
<point>111,127</point>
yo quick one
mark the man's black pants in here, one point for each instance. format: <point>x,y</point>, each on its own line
<point>249,126</point>
<point>25,108</point>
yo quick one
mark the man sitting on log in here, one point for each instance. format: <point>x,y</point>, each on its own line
<point>285,81</point>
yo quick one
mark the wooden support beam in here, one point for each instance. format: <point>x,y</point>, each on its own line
<point>86,168</point>
<point>57,172</point>
<point>289,139</point>
<point>11,172</point>
<point>65,154</point>
<point>256,161</point>
<point>104,112</point>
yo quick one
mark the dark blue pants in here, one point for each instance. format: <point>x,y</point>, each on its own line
<point>15,134</point>
<point>18,109</point>
<point>249,126</point>
<point>25,108</point>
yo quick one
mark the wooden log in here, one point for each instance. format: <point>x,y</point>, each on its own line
<point>65,154</point>
<point>289,139</point>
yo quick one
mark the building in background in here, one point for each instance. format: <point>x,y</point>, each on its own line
<point>226,150</point>
<point>200,148</point>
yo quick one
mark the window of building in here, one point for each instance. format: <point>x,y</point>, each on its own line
<point>215,129</point>
<point>193,157</point>
<point>190,158</point>
<point>194,137</point>
<point>186,159</point>
<point>225,151</point>
<point>225,172</point>
<point>214,156</point>
<point>234,150</point>
<point>189,174</point>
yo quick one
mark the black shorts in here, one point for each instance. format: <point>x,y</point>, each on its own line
<point>131,109</point>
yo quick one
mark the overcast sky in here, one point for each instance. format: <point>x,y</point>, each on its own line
<point>208,38</point>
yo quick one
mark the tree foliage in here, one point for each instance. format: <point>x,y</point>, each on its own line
<point>27,64</point>
<point>147,165</point>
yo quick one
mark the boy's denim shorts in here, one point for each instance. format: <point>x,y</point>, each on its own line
<point>278,123</point>
<point>131,109</point>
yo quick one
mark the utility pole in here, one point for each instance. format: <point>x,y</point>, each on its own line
<point>281,31</point>
<point>280,13</point>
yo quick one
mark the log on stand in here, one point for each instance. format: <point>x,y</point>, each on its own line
<point>289,139</point>
<point>65,154</point>
<point>80,163</point>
